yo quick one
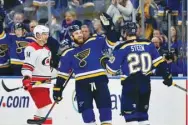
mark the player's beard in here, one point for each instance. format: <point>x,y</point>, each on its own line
<point>78,43</point>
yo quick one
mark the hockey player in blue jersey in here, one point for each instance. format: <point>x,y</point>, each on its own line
<point>4,54</point>
<point>91,79</point>
<point>17,45</point>
<point>135,58</point>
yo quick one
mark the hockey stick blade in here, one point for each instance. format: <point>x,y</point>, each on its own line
<point>40,121</point>
<point>9,90</point>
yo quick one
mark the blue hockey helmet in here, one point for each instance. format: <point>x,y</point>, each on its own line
<point>73,28</point>
<point>130,28</point>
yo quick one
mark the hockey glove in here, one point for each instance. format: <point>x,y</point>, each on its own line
<point>103,61</point>
<point>168,80</point>
<point>27,83</point>
<point>57,94</point>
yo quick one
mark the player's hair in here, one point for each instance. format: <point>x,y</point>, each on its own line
<point>130,28</point>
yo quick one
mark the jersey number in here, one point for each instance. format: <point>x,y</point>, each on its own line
<point>142,62</point>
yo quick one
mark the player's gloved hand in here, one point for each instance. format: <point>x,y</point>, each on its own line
<point>103,61</point>
<point>57,94</point>
<point>27,83</point>
<point>168,80</point>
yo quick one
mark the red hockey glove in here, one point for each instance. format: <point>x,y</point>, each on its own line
<point>27,83</point>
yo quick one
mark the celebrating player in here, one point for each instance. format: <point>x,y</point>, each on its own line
<point>91,79</point>
<point>36,68</point>
<point>135,58</point>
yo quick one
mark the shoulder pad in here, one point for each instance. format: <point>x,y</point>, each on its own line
<point>143,40</point>
<point>29,49</point>
<point>91,39</point>
<point>66,51</point>
<point>119,46</point>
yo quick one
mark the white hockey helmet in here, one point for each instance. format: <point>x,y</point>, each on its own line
<point>40,29</point>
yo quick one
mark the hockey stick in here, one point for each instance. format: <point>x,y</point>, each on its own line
<point>21,87</point>
<point>179,87</point>
<point>174,84</point>
<point>42,120</point>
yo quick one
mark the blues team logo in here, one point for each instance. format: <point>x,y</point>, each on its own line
<point>81,56</point>
<point>3,49</point>
<point>20,46</point>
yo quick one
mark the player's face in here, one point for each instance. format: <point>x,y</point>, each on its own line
<point>44,37</point>
<point>85,32</point>
<point>78,37</point>
<point>19,32</point>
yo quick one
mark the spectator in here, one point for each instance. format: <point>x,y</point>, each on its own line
<point>75,4</point>
<point>98,27</point>
<point>32,25</point>
<point>70,19</point>
<point>163,38</point>
<point>120,8</point>
<point>157,42</point>
<point>17,18</point>
<point>86,32</point>
<point>42,8</point>
<point>139,31</point>
<point>150,22</point>
<point>175,43</point>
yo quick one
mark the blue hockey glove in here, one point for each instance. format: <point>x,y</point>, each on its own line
<point>57,94</point>
<point>168,80</point>
<point>103,61</point>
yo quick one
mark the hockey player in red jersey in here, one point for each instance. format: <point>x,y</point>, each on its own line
<point>36,68</point>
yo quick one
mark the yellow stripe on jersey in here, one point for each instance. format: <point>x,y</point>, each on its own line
<point>110,71</point>
<point>90,75</point>
<point>122,78</point>
<point>56,89</point>
<point>16,62</point>
<point>62,76</point>
<point>66,51</point>
<point>158,62</point>
<point>90,39</point>
<point>2,34</point>
<point>110,42</point>
<point>135,43</point>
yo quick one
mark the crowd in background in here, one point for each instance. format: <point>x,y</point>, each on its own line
<point>87,15</point>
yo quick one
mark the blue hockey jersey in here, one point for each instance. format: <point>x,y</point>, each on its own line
<point>17,45</point>
<point>4,47</point>
<point>134,56</point>
<point>84,60</point>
